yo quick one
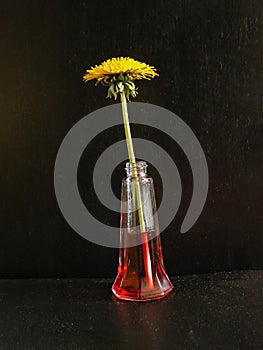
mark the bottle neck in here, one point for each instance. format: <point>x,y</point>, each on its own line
<point>139,168</point>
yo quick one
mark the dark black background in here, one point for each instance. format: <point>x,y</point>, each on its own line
<point>209,57</point>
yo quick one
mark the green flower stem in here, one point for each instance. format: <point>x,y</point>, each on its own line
<point>127,129</point>
<point>147,258</point>
<point>132,158</point>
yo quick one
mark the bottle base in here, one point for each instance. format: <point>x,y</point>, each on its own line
<point>146,296</point>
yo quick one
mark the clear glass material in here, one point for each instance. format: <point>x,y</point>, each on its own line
<point>141,272</point>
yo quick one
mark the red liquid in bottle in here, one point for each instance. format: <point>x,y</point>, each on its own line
<point>141,273</point>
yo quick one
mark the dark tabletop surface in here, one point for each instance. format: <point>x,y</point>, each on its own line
<point>216,311</point>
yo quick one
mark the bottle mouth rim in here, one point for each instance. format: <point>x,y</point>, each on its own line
<point>140,165</point>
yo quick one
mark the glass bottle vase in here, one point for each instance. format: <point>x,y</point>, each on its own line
<point>141,272</point>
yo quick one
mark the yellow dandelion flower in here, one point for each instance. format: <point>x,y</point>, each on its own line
<point>119,73</point>
<point>120,65</point>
